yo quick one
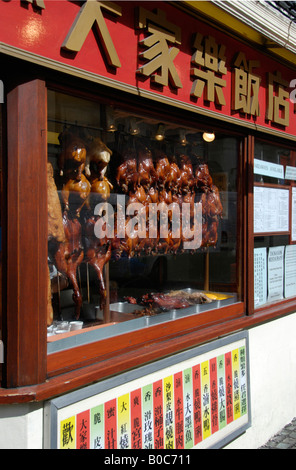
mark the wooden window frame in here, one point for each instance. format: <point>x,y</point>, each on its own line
<point>24,331</point>
<point>27,365</point>
<point>285,305</point>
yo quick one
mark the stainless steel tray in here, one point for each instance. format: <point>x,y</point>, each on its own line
<point>121,307</point>
<point>125,307</point>
<point>221,300</point>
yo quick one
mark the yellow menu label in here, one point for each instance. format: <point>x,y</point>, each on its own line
<point>206,404</point>
<point>123,422</point>
<point>68,433</point>
<point>236,384</point>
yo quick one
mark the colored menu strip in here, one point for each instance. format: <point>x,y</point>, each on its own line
<point>179,410</point>
<point>147,416</point>
<point>188,409</point>
<point>175,412</point>
<point>168,413</point>
<point>206,406</point>
<point>136,419</point>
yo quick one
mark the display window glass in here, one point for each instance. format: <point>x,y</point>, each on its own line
<point>143,218</point>
<point>274,223</point>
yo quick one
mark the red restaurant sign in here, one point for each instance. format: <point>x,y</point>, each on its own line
<point>155,50</point>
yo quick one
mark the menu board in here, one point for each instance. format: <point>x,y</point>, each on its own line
<point>271,210</point>
<point>290,271</point>
<point>260,276</point>
<point>195,400</point>
<point>275,273</point>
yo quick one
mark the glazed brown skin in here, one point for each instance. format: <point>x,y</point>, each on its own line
<point>212,211</point>
<point>215,208</point>
<point>153,194</point>
<point>157,301</point>
<point>203,177</point>
<point>126,245</point>
<point>189,198</point>
<point>147,245</point>
<point>102,187</point>
<point>70,255</point>
<point>146,170</point>
<point>97,159</point>
<point>186,180</point>
<point>73,150</point>
<point>174,177</point>
<point>127,172</point>
<point>77,188</point>
<point>72,161</point>
<point>140,197</point>
<point>165,196</point>
<point>173,243</point>
<point>129,244</point>
<point>165,302</point>
<point>163,171</point>
<point>168,183</point>
<point>98,155</point>
<point>97,252</point>
<point>76,185</point>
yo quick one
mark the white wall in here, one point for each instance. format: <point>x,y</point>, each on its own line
<point>21,426</point>
<point>272,359</point>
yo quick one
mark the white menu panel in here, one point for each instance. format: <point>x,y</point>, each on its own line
<point>275,273</point>
<point>271,210</point>
<point>260,276</point>
<point>290,271</point>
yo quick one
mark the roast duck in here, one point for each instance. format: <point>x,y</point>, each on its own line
<point>76,187</point>
<point>76,242</point>
<point>144,178</point>
<point>97,160</point>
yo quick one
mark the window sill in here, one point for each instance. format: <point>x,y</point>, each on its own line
<point>145,351</point>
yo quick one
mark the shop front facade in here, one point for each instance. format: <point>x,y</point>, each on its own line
<point>148,210</point>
